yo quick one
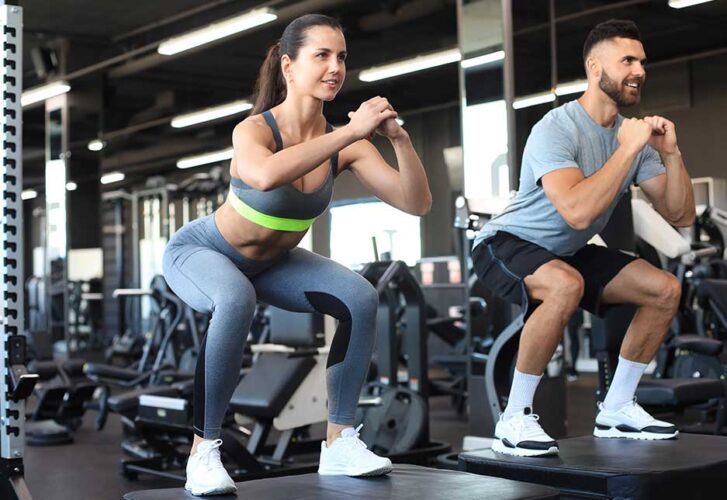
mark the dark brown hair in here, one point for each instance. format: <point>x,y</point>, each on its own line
<point>270,89</point>
<point>613,28</point>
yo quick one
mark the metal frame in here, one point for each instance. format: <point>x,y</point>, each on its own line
<point>12,411</point>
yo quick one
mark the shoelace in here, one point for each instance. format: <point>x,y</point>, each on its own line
<point>635,411</point>
<point>354,440</point>
<point>530,428</point>
<point>210,455</point>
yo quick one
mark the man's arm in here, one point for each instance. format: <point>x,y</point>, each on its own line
<point>672,194</point>
<point>581,200</point>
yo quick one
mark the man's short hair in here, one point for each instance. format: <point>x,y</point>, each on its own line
<point>613,28</point>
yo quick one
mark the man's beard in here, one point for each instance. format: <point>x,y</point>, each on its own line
<point>615,91</point>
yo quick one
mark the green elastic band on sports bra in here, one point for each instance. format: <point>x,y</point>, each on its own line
<point>268,221</point>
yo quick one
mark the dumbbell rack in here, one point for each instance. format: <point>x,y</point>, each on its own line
<point>15,383</point>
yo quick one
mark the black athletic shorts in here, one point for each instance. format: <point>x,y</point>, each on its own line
<point>503,261</point>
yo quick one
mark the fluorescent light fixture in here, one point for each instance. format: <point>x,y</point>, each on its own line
<point>38,94</point>
<point>532,100</point>
<point>96,145</point>
<point>400,121</point>
<point>209,114</point>
<point>571,87</point>
<point>203,159</point>
<point>71,186</point>
<point>417,63</point>
<point>215,31</point>
<point>680,4</point>
<point>29,194</point>
<point>112,177</point>
<point>484,59</point>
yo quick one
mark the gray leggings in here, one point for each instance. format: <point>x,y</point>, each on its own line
<point>208,274</point>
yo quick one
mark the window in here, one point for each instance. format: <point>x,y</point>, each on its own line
<point>354,224</point>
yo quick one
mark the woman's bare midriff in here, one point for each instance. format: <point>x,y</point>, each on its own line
<point>251,240</point>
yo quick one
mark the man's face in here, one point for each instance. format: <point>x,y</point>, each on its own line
<point>621,63</point>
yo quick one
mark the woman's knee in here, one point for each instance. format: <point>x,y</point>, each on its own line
<point>364,299</point>
<point>345,301</point>
<point>237,297</point>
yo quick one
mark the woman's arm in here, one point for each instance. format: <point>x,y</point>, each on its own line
<point>407,189</point>
<point>264,170</point>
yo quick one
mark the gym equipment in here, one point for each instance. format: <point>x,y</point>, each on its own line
<point>691,466</point>
<point>448,308</point>
<point>62,393</point>
<point>394,410</point>
<point>406,481</point>
<point>16,384</point>
<point>169,311</point>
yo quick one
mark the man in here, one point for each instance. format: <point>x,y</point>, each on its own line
<point>577,162</point>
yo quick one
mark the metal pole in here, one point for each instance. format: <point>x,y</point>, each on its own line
<point>12,339</point>
<point>508,83</point>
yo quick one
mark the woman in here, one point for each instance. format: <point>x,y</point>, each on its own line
<point>286,157</point>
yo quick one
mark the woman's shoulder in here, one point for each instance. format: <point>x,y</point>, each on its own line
<point>252,128</point>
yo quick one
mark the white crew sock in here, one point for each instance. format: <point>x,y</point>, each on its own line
<point>623,387</point>
<point>522,393</point>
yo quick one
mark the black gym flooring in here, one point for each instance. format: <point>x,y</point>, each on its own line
<point>89,468</point>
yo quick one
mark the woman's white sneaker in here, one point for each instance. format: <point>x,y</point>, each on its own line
<point>348,456</point>
<point>522,436</point>
<point>631,421</point>
<point>205,473</point>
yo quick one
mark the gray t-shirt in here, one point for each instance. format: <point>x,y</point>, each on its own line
<point>566,137</point>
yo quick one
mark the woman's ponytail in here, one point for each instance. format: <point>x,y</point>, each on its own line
<point>270,86</point>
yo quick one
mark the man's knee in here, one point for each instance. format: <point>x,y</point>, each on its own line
<point>669,292</point>
<point>562,283</point>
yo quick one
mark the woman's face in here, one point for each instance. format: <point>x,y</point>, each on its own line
<point>320,67</point>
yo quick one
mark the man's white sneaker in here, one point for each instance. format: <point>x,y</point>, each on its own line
<point>348,456</point>
<point>631,421</point>
<point>522,436</point>
<point>205,473</point>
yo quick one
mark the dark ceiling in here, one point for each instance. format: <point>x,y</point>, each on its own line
<point>135,87</point>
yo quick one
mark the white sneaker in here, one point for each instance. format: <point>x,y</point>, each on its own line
<point>631,421</point>
<point>348,456</point>
<point>522,436</point>
<point>205,473</point>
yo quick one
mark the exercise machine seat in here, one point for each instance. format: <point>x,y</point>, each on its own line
<point>698,344</point>
<point>678,391</point>
<point>270,384</point>
<point>74,367</point>
<point>46,370</point>
<point>102,370</point>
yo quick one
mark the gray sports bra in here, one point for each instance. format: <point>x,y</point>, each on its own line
<point>284,208</point>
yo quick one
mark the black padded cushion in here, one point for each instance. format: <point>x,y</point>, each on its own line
<point>698,344</point>
<point>678,391</point>
<point>44,369</point>
<point>108,371</point>
<point>271,382</point>
<point>406,482</point>
<point>128,401</point>
<point>74,367</point>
